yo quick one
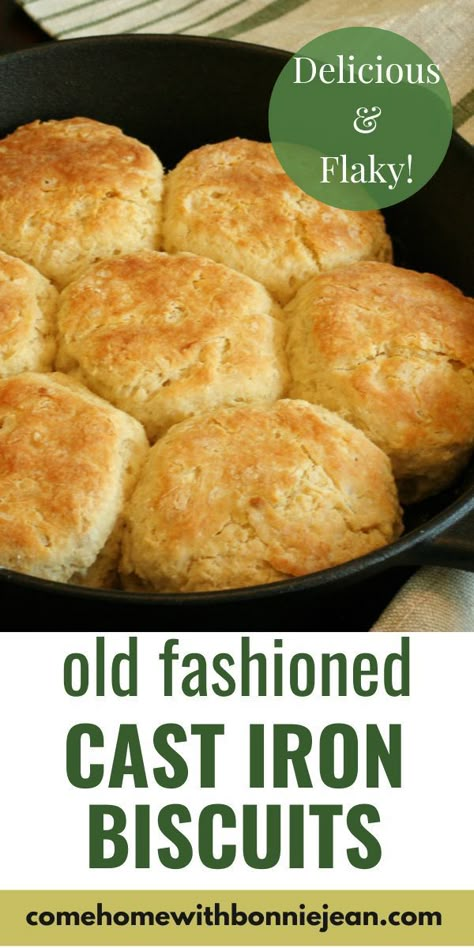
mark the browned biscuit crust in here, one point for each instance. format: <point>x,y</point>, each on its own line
<point>393,351</point>
<point>28,304</point>
<point>164,337</point>
<point>68,460</point>
<point>233,202</point>
<point>74,191</point>
<point>254,494</point>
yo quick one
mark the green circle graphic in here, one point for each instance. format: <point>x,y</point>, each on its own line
<point>360,118</point>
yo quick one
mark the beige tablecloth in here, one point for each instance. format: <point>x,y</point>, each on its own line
<point>445,30</point>
<point>434,599</point>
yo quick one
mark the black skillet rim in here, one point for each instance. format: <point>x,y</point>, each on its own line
<point>362,567</point>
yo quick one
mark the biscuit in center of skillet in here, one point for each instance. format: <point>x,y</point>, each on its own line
<point>163,337</point>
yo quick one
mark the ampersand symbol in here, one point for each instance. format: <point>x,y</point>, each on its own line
<point>366,120</point>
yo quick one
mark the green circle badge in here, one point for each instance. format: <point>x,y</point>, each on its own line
<point>360,118</point>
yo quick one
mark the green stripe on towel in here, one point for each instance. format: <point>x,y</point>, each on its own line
<point>270,12</point>
<point>464,110</point>
<point>120,13</point>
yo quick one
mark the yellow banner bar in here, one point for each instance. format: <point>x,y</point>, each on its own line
<point>203,917</point>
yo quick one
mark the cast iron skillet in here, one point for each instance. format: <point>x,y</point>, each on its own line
<point>178,92</point>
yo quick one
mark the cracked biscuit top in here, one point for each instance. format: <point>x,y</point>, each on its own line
<point>164,337</point>
<point>68,460</point>
<point>255,494</point>
<point>392,350</point>
<point>233,202</point>
<point>74,191</point>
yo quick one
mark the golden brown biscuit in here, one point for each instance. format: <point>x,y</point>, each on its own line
<point>233,202</point>
<point>68,460</point>
<point>393,351</point>
<point>28,304</point>
<point>164,337</point>
<point>74,191</point>
<point>254,494</point>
